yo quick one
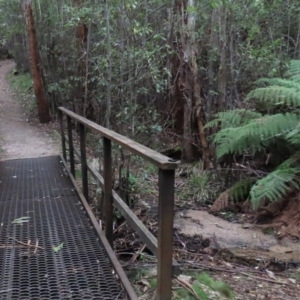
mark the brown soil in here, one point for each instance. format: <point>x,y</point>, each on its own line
<point>18,138</point>
<point>254,264</point>
<point>285,217</point>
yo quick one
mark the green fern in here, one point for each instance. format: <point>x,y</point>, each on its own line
<point>255,135</point>
<point>233,118</point>
<point>294,70</point>
<point>291,162</point>
<point>278,183</point>
<point>241,189</point>
<point>274,186</point>
<point>280,91</point>
<point>293,136</point>
<point>276,95</point>
<point>287,83</point>
<point>249,132</point>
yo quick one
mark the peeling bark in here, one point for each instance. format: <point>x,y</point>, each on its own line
<point>196,87</point>
<point>217,68</point>
<point>82,32</point>
<point>187,86</point>
<point>42,105</point>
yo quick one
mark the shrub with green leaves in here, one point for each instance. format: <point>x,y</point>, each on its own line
<point>274,126</point>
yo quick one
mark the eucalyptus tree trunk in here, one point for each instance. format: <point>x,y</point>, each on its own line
<point>181,102</point>
<point>109,69</point>
<point>222,71</point>
<point>82,37</point>
<point>192,51</point>
<point>42,105</point>
<point>187,85</point>
<point>217,67</point>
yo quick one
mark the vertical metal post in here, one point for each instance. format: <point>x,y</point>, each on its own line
<point>84,169</point>
<point>108,201</point>
<point>62,132</point>
<point>165,234</point>
<point>71,149</point>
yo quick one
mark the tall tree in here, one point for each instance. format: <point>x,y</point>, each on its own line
<point>82,68</point>
<point>42,105</point>
<point>187,83</point>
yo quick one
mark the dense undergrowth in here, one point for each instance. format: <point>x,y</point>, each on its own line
<point>269,135</point>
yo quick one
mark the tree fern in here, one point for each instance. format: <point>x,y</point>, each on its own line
<point>294,70</point>
<point>255,135</point>
<point>233,118</point>
<point>274,186</point>
<point>277,95</point>
<point>280,91</point>
<point>294,136</point>
<point>291,162</point>
<point>287,83</point>
<point>241,189</point>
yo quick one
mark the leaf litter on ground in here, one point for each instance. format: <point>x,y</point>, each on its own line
<point>58,248</point>
<point>21,220</point>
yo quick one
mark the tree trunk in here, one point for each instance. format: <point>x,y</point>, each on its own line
<point>217,67</point>
<point>82,89</point>
<point>43,108</point>
<point>222,72</point>
<point>188,103</point>
<point>109,69</point>
<point>181,104</point>
<point>192,51</point>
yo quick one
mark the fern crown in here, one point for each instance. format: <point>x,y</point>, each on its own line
<point>246,131</point>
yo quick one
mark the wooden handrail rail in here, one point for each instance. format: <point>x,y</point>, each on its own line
<point>162,247</point>
<point>160,160</point>
<point>134,222</point>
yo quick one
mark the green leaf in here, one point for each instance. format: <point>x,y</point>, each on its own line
<point>275,185</point>
<point>255,135</point>
<point>21,220</point>
<point>58,248</point>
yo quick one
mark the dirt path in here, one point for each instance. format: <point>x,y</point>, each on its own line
<point>18,139</point>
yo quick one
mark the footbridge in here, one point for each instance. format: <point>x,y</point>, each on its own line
<point>51,243</point>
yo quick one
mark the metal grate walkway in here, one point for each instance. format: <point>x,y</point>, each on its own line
<point>38,205</point>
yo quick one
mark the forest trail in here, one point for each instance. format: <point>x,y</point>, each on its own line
<point>19,139</point>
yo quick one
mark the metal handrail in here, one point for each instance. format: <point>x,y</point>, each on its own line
<point>161,247</point>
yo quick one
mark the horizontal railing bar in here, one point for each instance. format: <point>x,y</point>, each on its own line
<point>144,233</point>
<point>146,236</point>
<point>160,160</point>
<point>116,264</point>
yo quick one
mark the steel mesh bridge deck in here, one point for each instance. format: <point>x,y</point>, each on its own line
<point>38,191</point>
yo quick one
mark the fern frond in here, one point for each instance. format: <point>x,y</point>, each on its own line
<point>287,83</point>
<point>293,161</point>
<point>233,118</point>
<point>213,123</point>
<point>294,68</point>
<point>274,186</point>
<point>241,189</point>
<point>296,78</point>
<point>294,136</point>
<point>234,141</point>
<point>255,135</point>
<point>276,95</point>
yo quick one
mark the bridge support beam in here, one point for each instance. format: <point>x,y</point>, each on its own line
<point>71,147</point>
<point>108,200</point>
<point>62,132</point>
<point>84,170</point>
<point>165,234</point>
